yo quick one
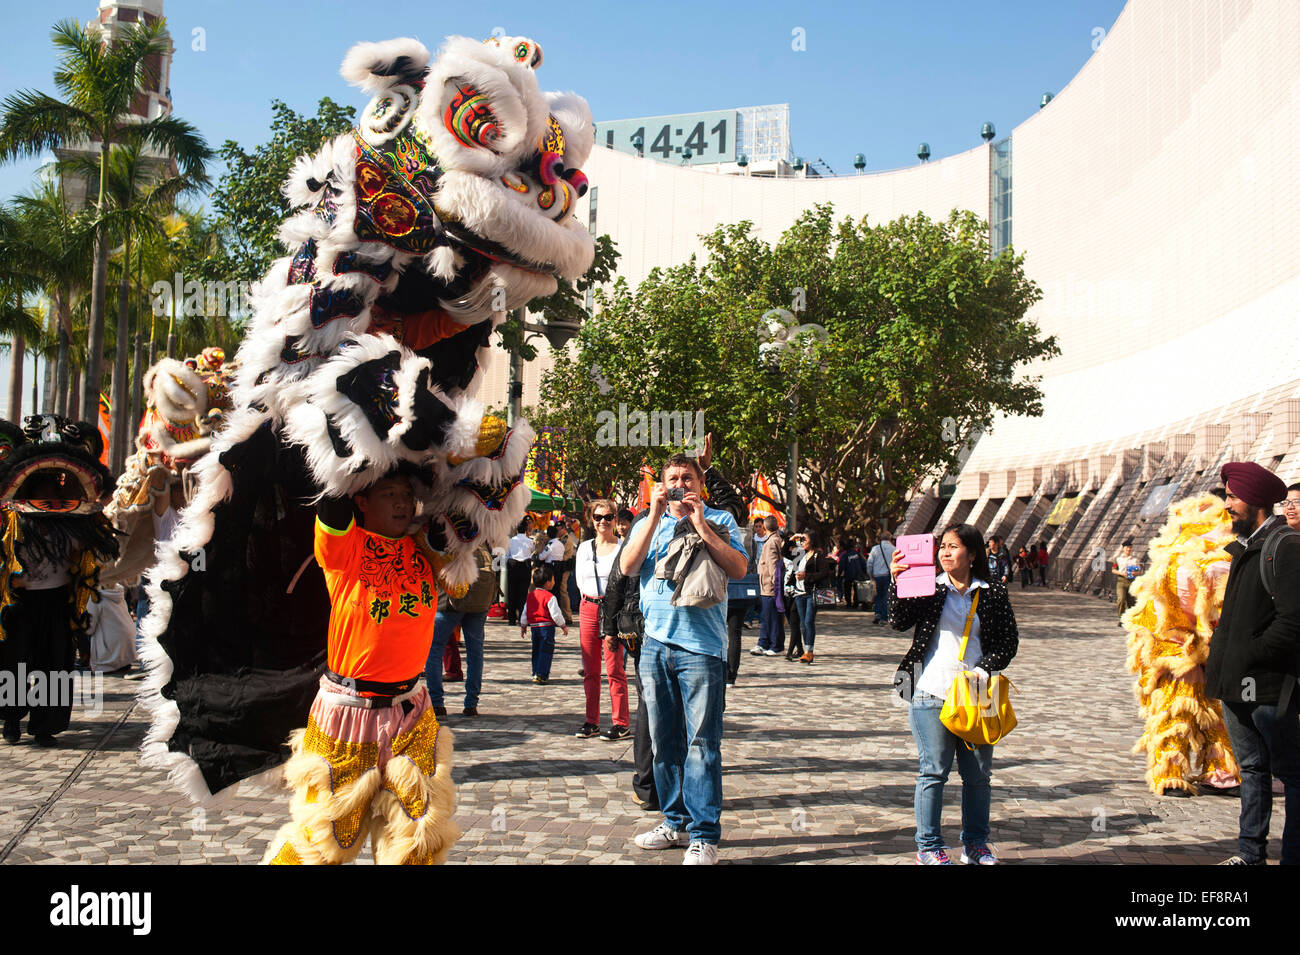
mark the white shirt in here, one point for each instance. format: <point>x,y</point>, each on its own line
<point>593,575</point>
<point>553,551</point>
<point>521,547</point>
<point>940,665</point>
<point>39,575</point>
<point>800,584</point>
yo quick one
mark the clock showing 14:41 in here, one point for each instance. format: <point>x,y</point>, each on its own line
<point>689,137</point>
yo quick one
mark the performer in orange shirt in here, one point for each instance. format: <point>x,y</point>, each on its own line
<point>373,759</point>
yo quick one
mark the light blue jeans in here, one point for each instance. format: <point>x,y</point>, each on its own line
<point>471,631</point>
<point>936,746</point>
<point>683,696</point>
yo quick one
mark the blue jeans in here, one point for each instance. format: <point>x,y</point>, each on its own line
<point>806,607</point>
<point>543,650</point>
<point>471,630</point>
<point>683,695</point>
<point>1266,744</point>
<point>936,745</point>
<point>881,608</point>
<point>772,632</point>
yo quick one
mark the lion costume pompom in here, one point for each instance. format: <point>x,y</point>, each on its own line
<point>1178,604</point>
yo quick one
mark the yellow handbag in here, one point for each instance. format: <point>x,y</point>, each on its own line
<point>980,719</point>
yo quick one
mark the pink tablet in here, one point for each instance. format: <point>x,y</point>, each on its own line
<point>918,579</point>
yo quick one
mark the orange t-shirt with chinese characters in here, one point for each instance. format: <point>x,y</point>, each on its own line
<point>383,601</point>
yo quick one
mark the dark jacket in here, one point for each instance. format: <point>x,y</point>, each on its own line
<point>622,595</point>
<point>1256,646</point>
<point>1000,563</point>
<point>818,572</point>
<point>999,638</point>
<point>722,495</point>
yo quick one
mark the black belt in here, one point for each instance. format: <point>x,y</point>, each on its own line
<point>594,600</point>
<point>374,686</point>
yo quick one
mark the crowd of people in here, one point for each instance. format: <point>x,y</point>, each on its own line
<point>633,587</point>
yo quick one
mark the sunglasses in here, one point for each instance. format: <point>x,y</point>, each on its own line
<point>602,517</point>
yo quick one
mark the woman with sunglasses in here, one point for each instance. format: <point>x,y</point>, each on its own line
<point>594,559</point>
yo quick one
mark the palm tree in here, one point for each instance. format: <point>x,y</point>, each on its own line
<point>137,201</point>
<point>100,79</point>
<point>17,278</point>
<point>59,245</point>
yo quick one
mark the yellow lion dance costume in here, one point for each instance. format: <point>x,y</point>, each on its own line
<point>1178,604</point>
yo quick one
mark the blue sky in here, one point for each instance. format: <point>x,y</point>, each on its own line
<point>874,77</point>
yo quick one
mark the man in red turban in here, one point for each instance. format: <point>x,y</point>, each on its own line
<point>1255,657</point>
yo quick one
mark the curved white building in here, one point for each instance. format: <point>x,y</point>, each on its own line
<point>1157,203</point>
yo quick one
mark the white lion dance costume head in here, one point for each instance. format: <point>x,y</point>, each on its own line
<point>450,204</point>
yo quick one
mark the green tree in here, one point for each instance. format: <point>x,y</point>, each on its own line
<point>138,197</point>
<point>911,339</point>
<point>100,80</point>
<point>58,245</point>
<point>247,200</point>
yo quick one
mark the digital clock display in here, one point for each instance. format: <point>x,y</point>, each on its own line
<point>707,137</point>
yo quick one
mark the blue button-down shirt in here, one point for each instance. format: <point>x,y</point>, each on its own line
<point>697,629</point>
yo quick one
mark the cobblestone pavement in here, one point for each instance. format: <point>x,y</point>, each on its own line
<point>818,767</point>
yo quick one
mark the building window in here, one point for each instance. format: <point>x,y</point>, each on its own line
<point>1000,197</point>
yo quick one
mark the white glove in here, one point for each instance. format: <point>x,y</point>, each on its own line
<point>980,674</point>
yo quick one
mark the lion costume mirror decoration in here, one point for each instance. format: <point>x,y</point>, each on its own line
<point>448,205</point>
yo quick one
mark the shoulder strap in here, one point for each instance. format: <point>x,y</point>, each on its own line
<point>595,566</point>
<point>965,634</point>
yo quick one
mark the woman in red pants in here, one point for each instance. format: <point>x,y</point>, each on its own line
<point>594,558</point>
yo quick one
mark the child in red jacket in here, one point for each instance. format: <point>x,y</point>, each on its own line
<point>542,612</point>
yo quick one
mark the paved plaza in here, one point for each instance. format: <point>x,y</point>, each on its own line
<point>818,767</point>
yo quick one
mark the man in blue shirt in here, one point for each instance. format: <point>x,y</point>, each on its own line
<point>683,665</point>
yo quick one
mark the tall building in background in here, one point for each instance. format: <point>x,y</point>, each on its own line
<point>154,101</point>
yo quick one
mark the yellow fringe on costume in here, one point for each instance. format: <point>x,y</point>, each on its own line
<point>9,540</point>
<point>1168,648</point>
<point>341,797</point>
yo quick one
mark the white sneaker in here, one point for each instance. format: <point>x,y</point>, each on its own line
<point>661,837</point>
<point>701,853</point>
<point>770,653</point>
<point>756,652</point>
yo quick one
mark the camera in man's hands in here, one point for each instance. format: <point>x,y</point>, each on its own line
<point>676,493</point>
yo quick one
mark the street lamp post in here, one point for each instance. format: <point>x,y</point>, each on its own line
<point>557,333</point>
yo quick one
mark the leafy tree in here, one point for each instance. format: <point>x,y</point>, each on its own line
<point>58,246</point>
<point>247,199</point>
<point>101,80</point>
<point>139,197</point>
<point>911,339</point>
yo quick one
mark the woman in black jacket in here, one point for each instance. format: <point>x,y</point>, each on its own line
<point>963,595</point>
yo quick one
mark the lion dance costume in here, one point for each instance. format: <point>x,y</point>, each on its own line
<point>186,401</point>
<point>449,205</point>
<point>54,538</point>
<point>1178,604</point>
